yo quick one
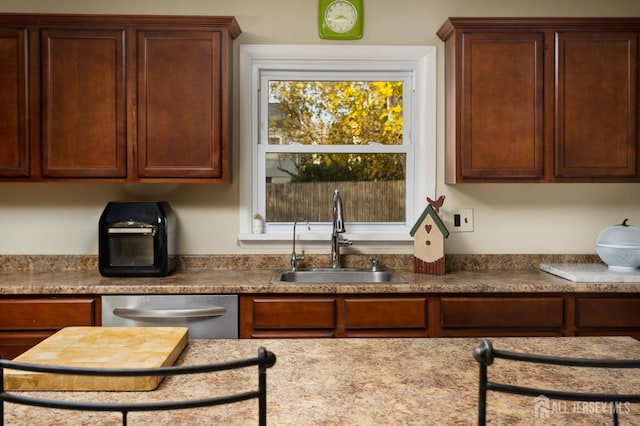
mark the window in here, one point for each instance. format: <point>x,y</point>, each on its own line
<point>323,134</point>
<point>360,119</point>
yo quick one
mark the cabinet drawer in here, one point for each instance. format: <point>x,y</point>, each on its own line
<point>385,313</point>
<point>294,313</point>
<point>607,312</point>
<point>47,313</point>
<point>507,312</point>
<point>13,343</point>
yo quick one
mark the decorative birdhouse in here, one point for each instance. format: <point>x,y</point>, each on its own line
<point>429,234</point>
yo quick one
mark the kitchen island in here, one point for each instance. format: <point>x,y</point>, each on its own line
<point>371,381</point>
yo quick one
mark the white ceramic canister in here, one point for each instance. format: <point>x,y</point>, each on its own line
<point>258,224</point>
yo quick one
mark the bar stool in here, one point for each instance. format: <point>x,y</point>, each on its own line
<point>264,360</point>
<point>485,354</point>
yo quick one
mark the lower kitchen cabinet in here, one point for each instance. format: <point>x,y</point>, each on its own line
<point>385,316</point>
<point>616,314</point>
<point>439,315</point>
<point>292,317</point>
<point>25,321</point>
<point>501,316</point>
<point>301,316</point>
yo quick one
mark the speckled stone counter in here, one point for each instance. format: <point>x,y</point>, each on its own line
<point>259,281</point>
<point>228,274</point>
<point>371,382</point>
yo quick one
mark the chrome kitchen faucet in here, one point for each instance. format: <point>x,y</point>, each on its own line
<point>337,229</point>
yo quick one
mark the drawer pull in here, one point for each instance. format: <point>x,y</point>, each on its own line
<point>134,313</point>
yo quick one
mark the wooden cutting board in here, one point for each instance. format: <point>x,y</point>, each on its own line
<point>103,347</point>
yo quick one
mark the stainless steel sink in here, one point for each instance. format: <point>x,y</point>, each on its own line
<point>337,276</point>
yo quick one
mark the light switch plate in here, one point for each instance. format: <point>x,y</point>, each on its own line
<point>461,220</point>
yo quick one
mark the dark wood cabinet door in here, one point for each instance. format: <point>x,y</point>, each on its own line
<point>501,105</point>
<point>287,316</point>
<point>25,320</point>
<point>606,313</point>
<point>181,96</point>
<point>83,103</point>
<point>385,316</point>
<point>491,313</point>
<point>13,344</point>
<point>14,132</point>
<point>596,104</point>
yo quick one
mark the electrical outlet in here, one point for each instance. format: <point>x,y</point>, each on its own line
<point>462,220</point>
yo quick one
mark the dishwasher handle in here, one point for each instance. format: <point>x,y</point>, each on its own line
<point>135,313</point>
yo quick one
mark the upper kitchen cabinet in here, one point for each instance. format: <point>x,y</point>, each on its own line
<point>83,105</point>
<point>14,123</point>
<point>183,108</point>
<point>115,98</point>
<point>596,106</point>
<point>541,100</point>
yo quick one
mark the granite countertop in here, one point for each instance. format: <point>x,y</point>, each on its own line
<point>371,381</point>
<point>238,281</point>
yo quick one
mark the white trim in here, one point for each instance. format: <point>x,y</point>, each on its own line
<point>420,60</point>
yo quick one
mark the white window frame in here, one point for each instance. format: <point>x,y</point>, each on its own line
<point>417,62</point>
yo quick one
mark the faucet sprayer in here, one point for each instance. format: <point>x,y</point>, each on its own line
<point>294,257</point>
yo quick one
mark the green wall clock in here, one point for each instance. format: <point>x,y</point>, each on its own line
<point>340,19</point>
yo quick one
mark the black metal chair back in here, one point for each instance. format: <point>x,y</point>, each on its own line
<point>485,354</point>
<point>264,360</point>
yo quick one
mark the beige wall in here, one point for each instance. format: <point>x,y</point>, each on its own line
<point>509,218</point>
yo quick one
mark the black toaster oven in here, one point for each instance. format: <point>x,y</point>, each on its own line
<point>137,239</point>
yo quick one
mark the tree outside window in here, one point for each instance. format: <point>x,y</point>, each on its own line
<point>329,113</point>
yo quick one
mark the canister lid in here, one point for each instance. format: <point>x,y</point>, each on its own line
<point>619,235</point>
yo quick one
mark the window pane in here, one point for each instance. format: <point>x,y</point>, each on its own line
<point>335,112</point>
<point>301,186</point>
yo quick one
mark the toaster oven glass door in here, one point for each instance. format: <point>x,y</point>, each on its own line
<point>131,247</point>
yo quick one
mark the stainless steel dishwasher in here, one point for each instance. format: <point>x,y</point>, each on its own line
<point>206,316</point>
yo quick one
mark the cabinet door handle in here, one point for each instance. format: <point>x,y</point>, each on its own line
<point>134,313</point>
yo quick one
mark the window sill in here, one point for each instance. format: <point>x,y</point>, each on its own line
<point>317,240</point>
